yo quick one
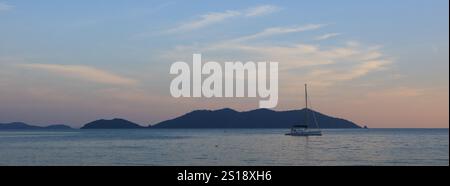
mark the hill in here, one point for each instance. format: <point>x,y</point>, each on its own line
<point>260,118</point>
<point>111,124</point>
<point>24,126</point>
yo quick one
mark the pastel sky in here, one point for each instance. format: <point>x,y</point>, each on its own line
<point>379,63</point>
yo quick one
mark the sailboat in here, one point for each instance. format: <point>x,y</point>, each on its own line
<point>304,130</point>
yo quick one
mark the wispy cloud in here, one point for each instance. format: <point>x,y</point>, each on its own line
<point>327,36</point>
<point>268,32</point>
<point>279,31</point>
<point>321,65</point>
<point>205,20</point>
<point>216,17</point>
<point>329,76</point>
<point>5,7</point>
<point>86,73</point>
<point>261,10</point>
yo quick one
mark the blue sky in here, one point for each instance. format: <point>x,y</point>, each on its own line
<point>66,61</point>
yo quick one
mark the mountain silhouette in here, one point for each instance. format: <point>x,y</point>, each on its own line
<point>260,118</point>
<point>58,127</point>
<point>223,118</point>
<point>24,126</point>
<point>111,124</point>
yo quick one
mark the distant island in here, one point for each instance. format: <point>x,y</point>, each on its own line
<point>223,118</point>
<point>24,126</point>
<point>112,124</point>
<point>260,118</point>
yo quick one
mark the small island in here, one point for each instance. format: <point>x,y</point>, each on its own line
<point>24,126</point>
<point>112,124</point>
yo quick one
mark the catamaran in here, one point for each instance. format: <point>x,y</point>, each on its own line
<point>304,130</point>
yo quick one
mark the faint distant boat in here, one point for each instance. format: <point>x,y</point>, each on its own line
<point>304,130</point>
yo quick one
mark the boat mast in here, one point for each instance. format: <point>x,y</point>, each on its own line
<point>306,102</point>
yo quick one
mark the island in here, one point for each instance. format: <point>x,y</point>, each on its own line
<point>112,124</point>
<point>260,118</point>
<point>24,126</point>
<point>223,118</point>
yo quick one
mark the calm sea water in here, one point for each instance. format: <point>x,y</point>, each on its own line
<point>225,147</point>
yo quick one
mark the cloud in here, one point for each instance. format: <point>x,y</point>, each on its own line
<point>327,36</point>
<point>279,31</point>
<point>327,77</point>
<point>206,20</point>
<point>261,10</point>
<point>5,7</point>
<point>365,68</point>
<point>83,72</point>
<point>216,17</point>
<point>323,66</point>
<point>268,32</point>
<point>319,65</point>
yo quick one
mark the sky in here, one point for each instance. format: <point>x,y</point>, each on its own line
<point>384,64</point>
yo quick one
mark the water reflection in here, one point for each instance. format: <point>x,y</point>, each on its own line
<point>225,147</point>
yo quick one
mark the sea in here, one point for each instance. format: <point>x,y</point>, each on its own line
<point>224,147</point>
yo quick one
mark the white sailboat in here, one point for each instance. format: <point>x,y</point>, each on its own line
<point>304,130</point>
